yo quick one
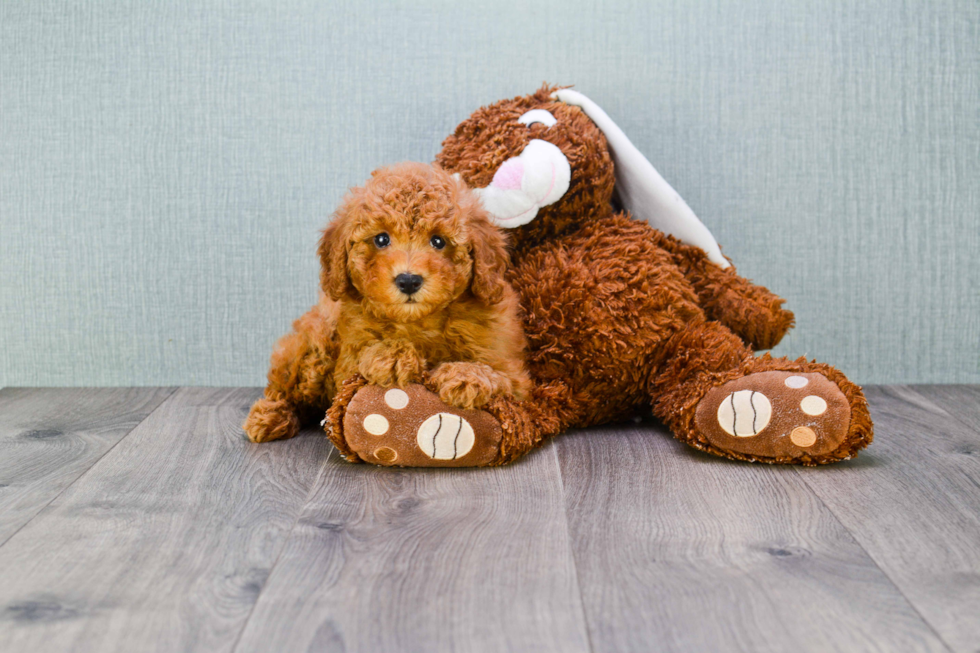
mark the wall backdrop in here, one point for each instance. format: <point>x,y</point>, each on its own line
<point>165,166</point>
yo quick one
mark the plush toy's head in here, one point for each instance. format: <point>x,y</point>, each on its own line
<point>539,165</point>
<point>547,162</point>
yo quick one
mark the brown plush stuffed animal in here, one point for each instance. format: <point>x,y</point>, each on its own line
<point>619,316</point>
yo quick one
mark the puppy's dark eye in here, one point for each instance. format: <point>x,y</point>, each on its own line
<point>438,242</point>
<point>382,240</point>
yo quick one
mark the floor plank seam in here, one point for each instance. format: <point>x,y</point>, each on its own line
<point>285,544</point>
<point>956,418</point>
<point>90,467</point>
<point>877,564</point>
<point>571,549</point>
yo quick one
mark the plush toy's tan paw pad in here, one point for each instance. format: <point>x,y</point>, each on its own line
<point>744,413</point>
<point>414,428</point>
<point>444,436</point>
<point>775,415</point>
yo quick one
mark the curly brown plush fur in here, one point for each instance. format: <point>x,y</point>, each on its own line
<point>461,322</point>
<point>618,315</point>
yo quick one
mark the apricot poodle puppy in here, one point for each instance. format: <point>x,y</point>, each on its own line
<point>412,280</point>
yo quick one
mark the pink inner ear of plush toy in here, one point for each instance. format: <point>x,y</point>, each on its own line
<point>509,175</point>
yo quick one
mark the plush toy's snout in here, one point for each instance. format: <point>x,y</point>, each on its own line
<point>539,176</point>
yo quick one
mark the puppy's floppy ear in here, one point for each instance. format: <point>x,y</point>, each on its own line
<point>332,251</point>
<point>488,248</point>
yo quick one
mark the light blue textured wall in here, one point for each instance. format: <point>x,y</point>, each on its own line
<point>165,166</point>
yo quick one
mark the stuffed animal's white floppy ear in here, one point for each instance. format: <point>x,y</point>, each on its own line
<point>643,192</point>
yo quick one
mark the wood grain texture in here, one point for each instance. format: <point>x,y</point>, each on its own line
<point>426,560</point>
<point>913,502</point>
<point>168,540</point>
<point>679,551</point>
<point>962,402</point>
<point>49,437</point>
<point>184,536</point>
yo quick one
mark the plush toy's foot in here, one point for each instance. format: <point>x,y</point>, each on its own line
<point>414,428</point>
<point>806,417</point>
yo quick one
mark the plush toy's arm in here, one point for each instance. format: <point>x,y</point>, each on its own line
<point>752,312</point>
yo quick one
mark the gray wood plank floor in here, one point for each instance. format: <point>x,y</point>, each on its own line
<point>392,559</point>
<point>668,538</point>
<point>141,519</point>
<point>962,402</point>
<point>913,502</point>
<point>49,437</point>
<point>165,543</point>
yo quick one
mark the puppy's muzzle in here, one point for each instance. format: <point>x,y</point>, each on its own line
<point>408,283</point>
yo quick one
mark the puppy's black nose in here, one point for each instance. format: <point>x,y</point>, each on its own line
<point>408,283</point>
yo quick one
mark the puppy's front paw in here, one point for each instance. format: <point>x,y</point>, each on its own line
<point>391,362</point>
<point>468,385</point>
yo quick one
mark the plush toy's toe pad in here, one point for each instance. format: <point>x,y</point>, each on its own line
<point>775,415</point>
<point>412,427</point>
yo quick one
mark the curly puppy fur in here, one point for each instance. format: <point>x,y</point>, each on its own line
<point>461,325</point>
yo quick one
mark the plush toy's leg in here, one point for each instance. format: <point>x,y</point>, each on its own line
<point>716,396</point>
<point>750,311</point>
<point>300,384</point>
<point>412,427</point>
